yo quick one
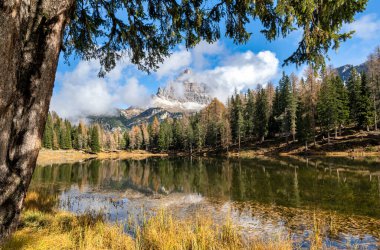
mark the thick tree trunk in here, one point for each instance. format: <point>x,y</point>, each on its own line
<point>30,41</point>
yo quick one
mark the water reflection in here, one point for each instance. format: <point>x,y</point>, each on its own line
<point>351,189</point>
<point>264,193</point>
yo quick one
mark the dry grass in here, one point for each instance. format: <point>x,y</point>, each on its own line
<point>46,157</point>
<point>162,232</point>
<point>65,231</point>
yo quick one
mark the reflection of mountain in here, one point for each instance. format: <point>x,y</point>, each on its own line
<point>183,95</point>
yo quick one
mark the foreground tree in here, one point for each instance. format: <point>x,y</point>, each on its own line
<point>32,34</point>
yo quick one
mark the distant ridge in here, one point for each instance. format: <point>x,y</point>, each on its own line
<point>183,95</point>
<point>345,70</point>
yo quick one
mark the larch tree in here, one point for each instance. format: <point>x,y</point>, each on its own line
<point>33,33</point>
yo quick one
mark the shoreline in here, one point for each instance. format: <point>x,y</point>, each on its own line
<point>47,156</point>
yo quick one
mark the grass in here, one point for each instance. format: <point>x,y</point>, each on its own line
<point>47,156</point>
<point>64,230</point>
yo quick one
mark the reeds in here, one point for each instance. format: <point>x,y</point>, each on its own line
<point>162,231</point>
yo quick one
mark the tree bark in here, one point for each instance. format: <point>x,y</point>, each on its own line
<point>30,41</point>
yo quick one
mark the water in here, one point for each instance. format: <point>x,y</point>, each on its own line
<point>266,197</point>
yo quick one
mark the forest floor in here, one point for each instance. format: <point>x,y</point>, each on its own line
<point>47,156</point>
<point>349,143</point>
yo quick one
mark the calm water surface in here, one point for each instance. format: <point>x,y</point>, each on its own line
<point>266,197</point>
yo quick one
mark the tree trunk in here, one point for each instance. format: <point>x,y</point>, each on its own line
<point>375,112</point>
<point>336,132</point>
<point>30,41</point>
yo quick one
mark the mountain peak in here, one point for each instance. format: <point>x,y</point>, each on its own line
<point>183,94</point>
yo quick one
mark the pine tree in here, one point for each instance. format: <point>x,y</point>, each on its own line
<point>327,106</point>
<point>249,113</point>
<point>261,115</point>
<point>342,103</point>
<point>95,140</point>
<point>305,128</point>
<point>354,90</point>
<point>274,121</point>
<point>165,136</point>
<point>365,112</point>
<point>47,140</point>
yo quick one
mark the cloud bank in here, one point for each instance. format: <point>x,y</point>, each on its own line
<point>81,93</point>
<point>366,28</point>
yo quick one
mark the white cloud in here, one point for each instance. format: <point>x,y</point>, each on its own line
<point>80,93</point>
<point>240,71</point>
<point>177,61</point>
<point>134,93</point>
<point>367,27</point>
<point>204,49</point>
<point>83,93</point>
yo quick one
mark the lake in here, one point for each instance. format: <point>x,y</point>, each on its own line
<point>265,197</point>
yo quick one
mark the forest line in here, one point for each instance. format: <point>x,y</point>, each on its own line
<point>296,110</point>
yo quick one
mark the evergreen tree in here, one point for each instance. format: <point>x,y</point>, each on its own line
<point>365,109</point>
<point>47,140</point>
<point>274,121</point>
<point>354,90</point>
<point>249,113</point>
<point>327,107</point>
<point>342,103</point>
<point>95,140</point>
<point>305,130</point>
<point>165,136</point>
<point>261,114</point>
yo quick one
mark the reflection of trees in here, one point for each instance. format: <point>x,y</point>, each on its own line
<point>288,182</point>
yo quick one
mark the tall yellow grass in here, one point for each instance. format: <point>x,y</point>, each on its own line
<point>162,232</point>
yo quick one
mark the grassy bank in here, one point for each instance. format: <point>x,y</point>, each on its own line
<point>350,144</point>
<point>63,230</point>
<point>69,156</point>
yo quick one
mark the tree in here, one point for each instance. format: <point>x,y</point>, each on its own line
<point>327,105</point>
<point>145,136</point>
<point>165,136</point>
<point>342,104</point>
<point>47,141</point>
<point>95,140</point>
<point>354,90</point>
<point>374,79</point>
<point>249,113</point>
<point>33,33</point>
<point>261,115</point>
<point>365,106</point>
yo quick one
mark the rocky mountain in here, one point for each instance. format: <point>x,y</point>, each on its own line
<point>183,95</point>
<point>127,118</point>
<point>345,70</point>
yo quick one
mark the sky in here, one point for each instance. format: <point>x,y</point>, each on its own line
<point>223,66</point>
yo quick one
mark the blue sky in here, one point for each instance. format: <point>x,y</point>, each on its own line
<point>224,66</point>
